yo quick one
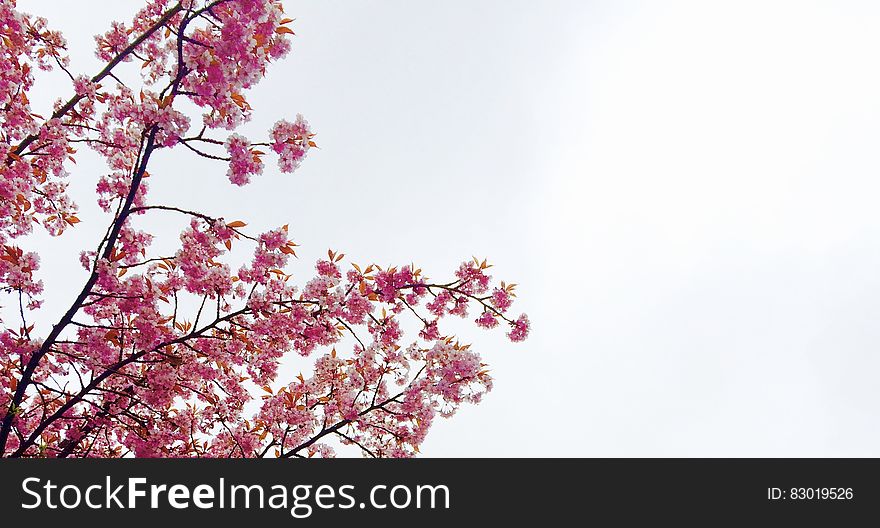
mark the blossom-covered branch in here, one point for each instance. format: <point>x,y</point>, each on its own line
<point>167,355</point>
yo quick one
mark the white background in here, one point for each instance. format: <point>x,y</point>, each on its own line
<point>685,192</point>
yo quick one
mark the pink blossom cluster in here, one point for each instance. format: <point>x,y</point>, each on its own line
<point>229,56</point>
<point>243,162</point>
<point>32,189</point>
<point>291,141</point>
<point>153,44</point>
<point>17,270</point>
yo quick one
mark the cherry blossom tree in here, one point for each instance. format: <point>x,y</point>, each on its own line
<point>178,355</point>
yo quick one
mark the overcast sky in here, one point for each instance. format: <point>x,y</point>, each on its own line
<point>685,192</point>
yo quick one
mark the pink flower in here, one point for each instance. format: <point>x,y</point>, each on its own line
<point>328,269</point>
<point>291,141</point>
<point>501,299</point>
<point>243,162</point>
<point>438,305</point>
<point>274,239</point>
<point>472,277</point>
<point>430,332</point>
<point>487,320</point>
<point>519,329</point>
<point>84,87</point>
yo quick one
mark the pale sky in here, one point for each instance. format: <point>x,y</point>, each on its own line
<point>685,192</point>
